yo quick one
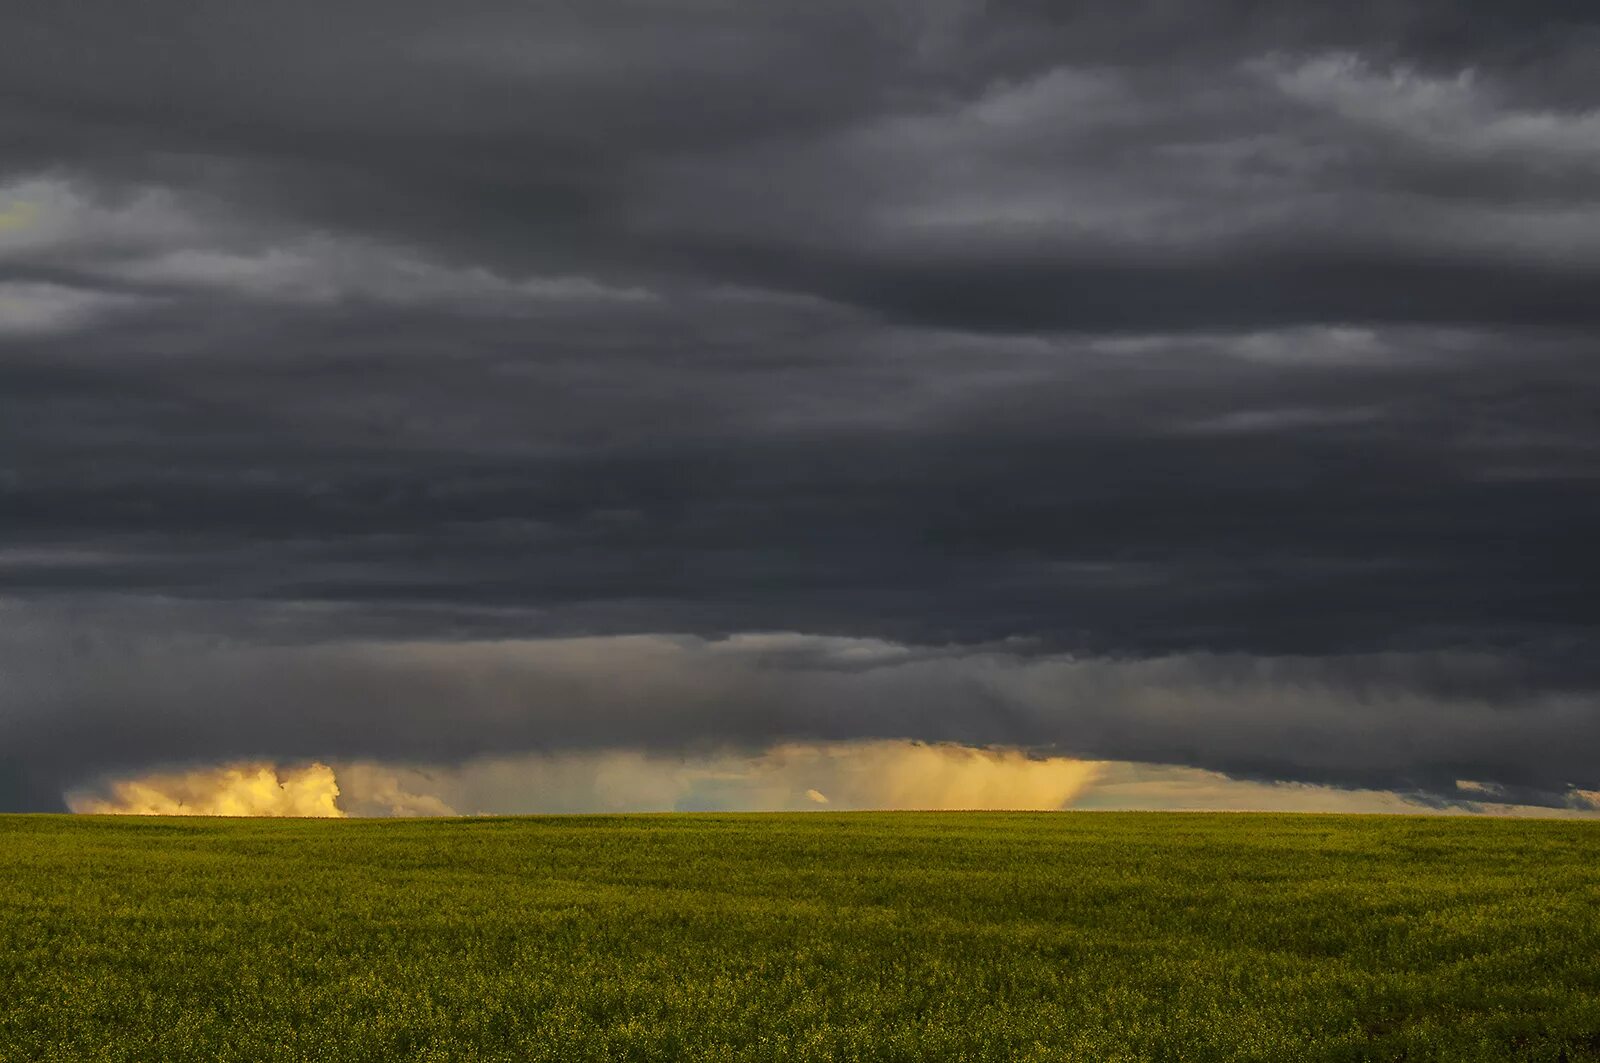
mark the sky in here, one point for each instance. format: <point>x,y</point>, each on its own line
<point>618,405</point>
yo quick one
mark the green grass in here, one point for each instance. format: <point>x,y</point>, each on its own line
<point>906,936</point>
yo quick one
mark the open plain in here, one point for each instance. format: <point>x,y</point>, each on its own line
<point>896,936</point>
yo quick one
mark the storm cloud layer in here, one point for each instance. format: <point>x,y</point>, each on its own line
<point>1211,385</point>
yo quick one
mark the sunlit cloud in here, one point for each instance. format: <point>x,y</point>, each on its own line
<point>230,790</point>
<point>791,776</point>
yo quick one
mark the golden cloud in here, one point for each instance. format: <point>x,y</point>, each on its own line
<point>248,789</point>
<point>793,776</point>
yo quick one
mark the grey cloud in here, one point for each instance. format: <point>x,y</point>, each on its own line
<point>1414,723</point>
<point>1145,333</point>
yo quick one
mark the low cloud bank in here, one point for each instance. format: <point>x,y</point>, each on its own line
<point>818,713</point>
<point>787,777</point>
<point>843,775</point>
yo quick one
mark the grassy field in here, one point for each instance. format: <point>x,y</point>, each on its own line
<point>908,936</point>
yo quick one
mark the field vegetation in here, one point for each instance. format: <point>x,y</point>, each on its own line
<point>896,936</point>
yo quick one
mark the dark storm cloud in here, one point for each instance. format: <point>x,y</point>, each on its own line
<point>1424,724</point>
<point>1147,333</point>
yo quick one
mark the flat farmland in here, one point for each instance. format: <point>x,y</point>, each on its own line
<point>819,936</point>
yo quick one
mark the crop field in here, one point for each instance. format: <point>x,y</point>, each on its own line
<point>895,936</point>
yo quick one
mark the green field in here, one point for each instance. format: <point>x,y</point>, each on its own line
<point>897,936</point>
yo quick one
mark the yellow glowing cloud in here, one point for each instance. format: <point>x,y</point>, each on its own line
<point>250,789</point>
<point>885,774</point>
<point>792,776</point>
<point>890,774</point>
<point>845,775</point>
